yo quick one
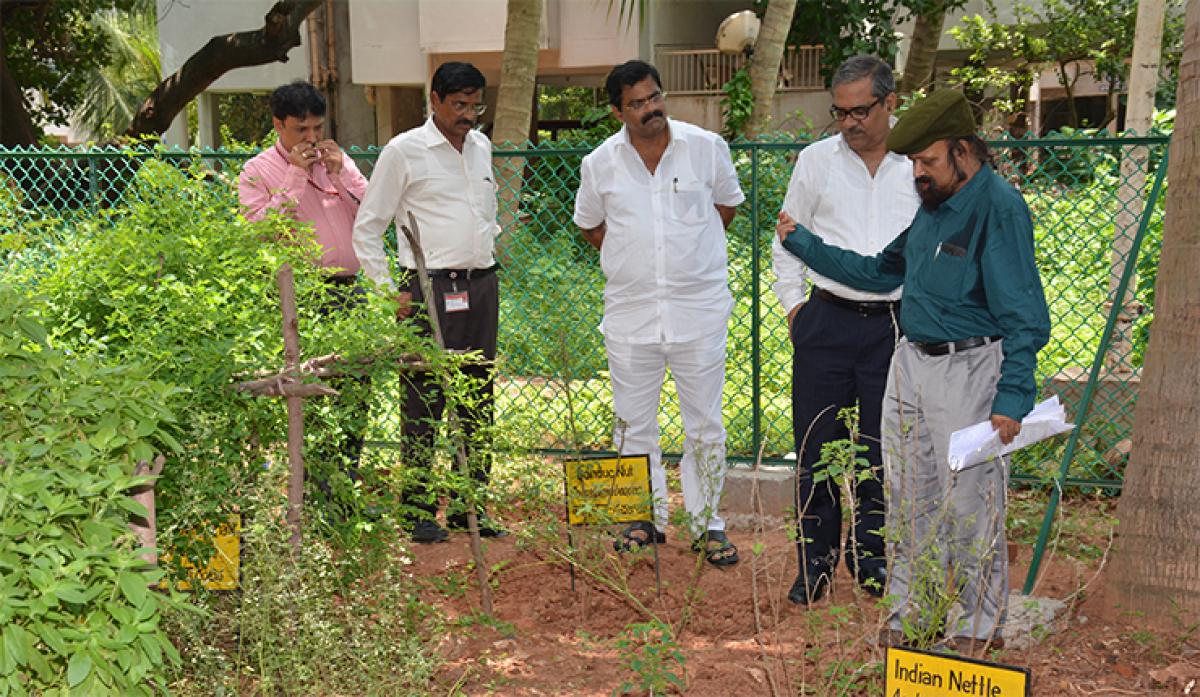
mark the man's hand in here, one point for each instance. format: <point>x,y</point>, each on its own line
<point>403,305</point>
<point>1006,427</point>
<point>304,155</point>
<point>785,226</point>
<point>331,155</point>
<point>792,315</point>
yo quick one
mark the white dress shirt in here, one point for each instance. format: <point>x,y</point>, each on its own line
<point>451,194</point>
<point>663,253</point>
<point>832,194</point>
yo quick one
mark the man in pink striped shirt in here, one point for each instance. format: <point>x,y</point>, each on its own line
<point>308,178</point>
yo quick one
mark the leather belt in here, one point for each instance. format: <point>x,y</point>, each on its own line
<point>946,347</point>
<point>862,307</point>
<point>458,273</point>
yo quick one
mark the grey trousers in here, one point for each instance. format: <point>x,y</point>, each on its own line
<point>945,530</point>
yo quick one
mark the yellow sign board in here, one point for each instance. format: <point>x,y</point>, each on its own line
<point>220,573</point>
<point>912,673</point>
<point>608,490</point>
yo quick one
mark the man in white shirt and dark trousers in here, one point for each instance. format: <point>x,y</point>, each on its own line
<point>655,199</point>
<point>849,190</point>
<point>441,172</point>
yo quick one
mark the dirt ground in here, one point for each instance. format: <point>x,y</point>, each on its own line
<point>549,640</point>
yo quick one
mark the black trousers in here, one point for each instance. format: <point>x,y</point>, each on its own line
<point>840,358</point>
<point>424,403</point>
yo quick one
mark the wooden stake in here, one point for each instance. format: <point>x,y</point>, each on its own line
<point>413,234</point>
<point>295,404</point>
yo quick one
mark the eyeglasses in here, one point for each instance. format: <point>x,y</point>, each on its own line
<point>637,104</point>
<point>464,107</point>
<point>858,113</point>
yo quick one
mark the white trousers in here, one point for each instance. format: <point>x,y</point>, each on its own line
<point>637,372</point>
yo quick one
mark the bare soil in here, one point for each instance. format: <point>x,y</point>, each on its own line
<point>549,640</point>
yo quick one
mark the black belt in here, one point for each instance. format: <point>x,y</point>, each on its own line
<point>458,273</point>
<point>342,280</point>
<point>953,346</point>
<point>862,307</point>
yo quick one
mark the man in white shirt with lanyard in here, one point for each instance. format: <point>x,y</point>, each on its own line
<point>849,190</point>
<point>655,199</point>
<point>441,172</point>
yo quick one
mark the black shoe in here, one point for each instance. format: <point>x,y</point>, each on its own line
<point>427,532</point>
<point>873,581</point>
<point>802,594</point>
<point>487,527</point>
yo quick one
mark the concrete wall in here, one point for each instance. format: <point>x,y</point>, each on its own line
<point>385,45</point>
<point>705,110</point>
<point>183,28</point>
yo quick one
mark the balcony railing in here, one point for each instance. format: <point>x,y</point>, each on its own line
<point>688,70</point>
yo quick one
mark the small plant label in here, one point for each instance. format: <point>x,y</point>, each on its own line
<point>220,572</point>
<point>608,490</point>
<point>915,673</point>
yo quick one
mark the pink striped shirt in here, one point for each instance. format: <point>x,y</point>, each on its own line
<point>270,182</point>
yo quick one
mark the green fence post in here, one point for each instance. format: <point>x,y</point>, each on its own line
<point>755,320</point>
<point>1086,402</point>
<point>93,182</point>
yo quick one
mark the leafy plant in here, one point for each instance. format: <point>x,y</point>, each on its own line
<point>737,103</point>
<point>75,609</point>
<point>650,651</point>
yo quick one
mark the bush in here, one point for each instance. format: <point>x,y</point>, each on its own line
<point>75,611</point>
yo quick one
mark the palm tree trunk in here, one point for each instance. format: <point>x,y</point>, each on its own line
<point>1155,570</point>
<point>514,105</point>
<point>764,64</point>
<point>922,51</point>
<point>1139,114</point>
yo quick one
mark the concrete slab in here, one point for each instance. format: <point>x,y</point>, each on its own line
<point>768,491</point>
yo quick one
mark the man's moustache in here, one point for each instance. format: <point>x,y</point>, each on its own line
<point>647,117</point>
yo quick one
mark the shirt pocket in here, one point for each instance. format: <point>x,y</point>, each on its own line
<point>483,197</point>
<point>690,201</point>
<point>947,272</point>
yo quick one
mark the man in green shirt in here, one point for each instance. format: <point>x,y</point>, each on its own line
<point>974,317</point>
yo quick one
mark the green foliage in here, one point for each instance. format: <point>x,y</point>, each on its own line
<point>650,651</point>
<point>178,280</point>
<point>76,614</point>
<point>317,622</point>
<point>737,104</point>
<point>1005,56</point>
<point>52,47</point>
<point>116,89</point>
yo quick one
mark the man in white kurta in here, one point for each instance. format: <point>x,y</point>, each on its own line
<point>655,199</point>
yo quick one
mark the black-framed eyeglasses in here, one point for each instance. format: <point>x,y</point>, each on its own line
<point>637,104</point>
<point>464,107</point>
<point>858,113</point>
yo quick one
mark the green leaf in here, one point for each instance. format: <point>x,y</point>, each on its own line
<point>78,668</point>
<point>16,644</point>
<point>134,587</point>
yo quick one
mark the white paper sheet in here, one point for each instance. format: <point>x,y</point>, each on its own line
<point>979,443</point>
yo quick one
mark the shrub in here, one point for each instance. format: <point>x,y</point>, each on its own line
<point>75,610</point>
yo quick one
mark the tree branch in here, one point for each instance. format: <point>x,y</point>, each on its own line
<point>279,34</point>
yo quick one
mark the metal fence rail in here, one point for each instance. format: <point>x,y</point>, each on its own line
<point>552,388</point>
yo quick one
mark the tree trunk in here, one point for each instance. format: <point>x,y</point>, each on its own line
<point>764,64</point>
<point>514,107</point>
<point>922,51</point>
<point>1156,566</point>
<point>279,34</point>
<point>1139,115</point>
<point>16,127</point>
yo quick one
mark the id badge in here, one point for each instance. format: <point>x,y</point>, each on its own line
<point>457,301</point>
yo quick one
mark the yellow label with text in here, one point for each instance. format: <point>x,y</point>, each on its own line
<point>920,674</point>
<point>220,572</point>
<point>608,490</point>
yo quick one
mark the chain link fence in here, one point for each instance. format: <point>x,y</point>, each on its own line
<point>1087,195</point>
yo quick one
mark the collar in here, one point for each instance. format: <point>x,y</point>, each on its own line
<point>278,148</point>
<point>841,147</point>
<point>965,197</point>
<point>433,136</point>
<point>675,134</point>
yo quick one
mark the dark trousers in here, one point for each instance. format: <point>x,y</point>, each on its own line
<point>840,358</point>
<point>424,403</point>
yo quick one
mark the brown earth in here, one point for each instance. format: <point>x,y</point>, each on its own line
<point>550,640</point>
